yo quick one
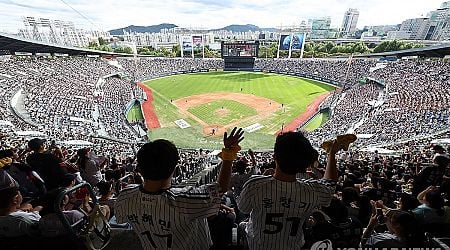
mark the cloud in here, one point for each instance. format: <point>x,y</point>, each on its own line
<point>108,14</point>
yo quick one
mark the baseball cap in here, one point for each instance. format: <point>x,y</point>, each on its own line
<point>35,143</point>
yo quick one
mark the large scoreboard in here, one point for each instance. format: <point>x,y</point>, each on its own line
<point>240,49</point>
<point>239,55</point>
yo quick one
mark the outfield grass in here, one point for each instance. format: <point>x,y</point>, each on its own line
<point>294,93</point>
<point>135,113</point>
<point>208,112</point>
<point>316,122</point>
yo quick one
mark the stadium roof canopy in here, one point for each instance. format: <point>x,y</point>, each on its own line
<point>440,50</point>
<point>14,44</point>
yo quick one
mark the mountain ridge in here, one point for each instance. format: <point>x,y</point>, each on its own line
<point>157,28</point>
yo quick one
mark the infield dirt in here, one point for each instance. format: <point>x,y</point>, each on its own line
<point>264,106</point>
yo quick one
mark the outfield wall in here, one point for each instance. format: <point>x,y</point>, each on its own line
<point>297,74</point>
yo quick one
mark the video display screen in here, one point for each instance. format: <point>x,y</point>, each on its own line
<point>240,49</point>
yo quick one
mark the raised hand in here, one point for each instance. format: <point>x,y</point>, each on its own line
<point>233,140</point>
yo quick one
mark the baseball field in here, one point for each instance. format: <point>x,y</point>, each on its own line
<point>193,110</point>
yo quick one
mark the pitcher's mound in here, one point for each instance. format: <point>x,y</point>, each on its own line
<point>221,112</point>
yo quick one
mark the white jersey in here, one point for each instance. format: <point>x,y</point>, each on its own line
<point>171,219</point>
<point>278,209</point>
<point>237,182</point>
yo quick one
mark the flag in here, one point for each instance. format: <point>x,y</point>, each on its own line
<point>284,43</point>
<point>185,44</point>
<point>197,44</point>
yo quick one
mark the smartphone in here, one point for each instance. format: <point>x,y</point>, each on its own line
<point>380,216</point>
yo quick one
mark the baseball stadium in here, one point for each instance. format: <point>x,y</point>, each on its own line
<point>262,103</point>
<point>253,144</point>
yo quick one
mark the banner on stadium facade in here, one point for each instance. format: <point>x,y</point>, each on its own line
<point>197,42</point>
<point>297,41</point>
<point>285,42</point>
<point>185,44</point>
<point>291,42</point>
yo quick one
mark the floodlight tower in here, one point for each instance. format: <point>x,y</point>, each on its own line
<point>47,23</point>
<point>31,25</point>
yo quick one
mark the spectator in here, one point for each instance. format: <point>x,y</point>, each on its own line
<point>350,196</point>
<point>164,216</point>
<point>17,219</point>
<point>431,175</point>
<point>56,150</point>
<point>221,226</point>
<point>342,230</point>
<point>5,178</point>
<point>279,204</point>
<point>50,224</point>
<point>432,209</point>
<point>404,231</point>
<point>408,202</point>
<point>29,182</point>
<point>239,175</point>
<point>105,190</point>
<point>89,169</point>
<point>48,166</point>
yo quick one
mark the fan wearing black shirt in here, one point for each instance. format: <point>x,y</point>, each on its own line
<point>47,165</point>
<point>342,230</point>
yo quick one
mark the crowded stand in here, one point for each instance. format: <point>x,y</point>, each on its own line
<point>111,106</point>
<point>148,68</point>
<point>330,191</point>
<point>416,103</point>
<point>403,99</point>
<point>340,72</point>
<point>61,98</point>
<point>352,106</point>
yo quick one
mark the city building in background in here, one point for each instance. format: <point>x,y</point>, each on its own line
<point>381,30</point>
<point>168,38</point>
<point>440,21</point>
<point>435,26</point>
<point>417,27</point>
<point>349,22</point>
<point>321,28</point>
<point>58,32</point>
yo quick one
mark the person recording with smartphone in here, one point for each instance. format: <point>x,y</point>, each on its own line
<point>403,230</point>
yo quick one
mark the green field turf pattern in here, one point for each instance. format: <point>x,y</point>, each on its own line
<point>293,92</point>
<point>135,114</point>
<point>316,122</point>
<point>208,112</point>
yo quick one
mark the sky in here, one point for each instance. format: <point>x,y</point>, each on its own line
<point>111,14</point>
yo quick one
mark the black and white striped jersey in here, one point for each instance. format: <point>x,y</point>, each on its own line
<point>174,218</point>
<point>278,209</point>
